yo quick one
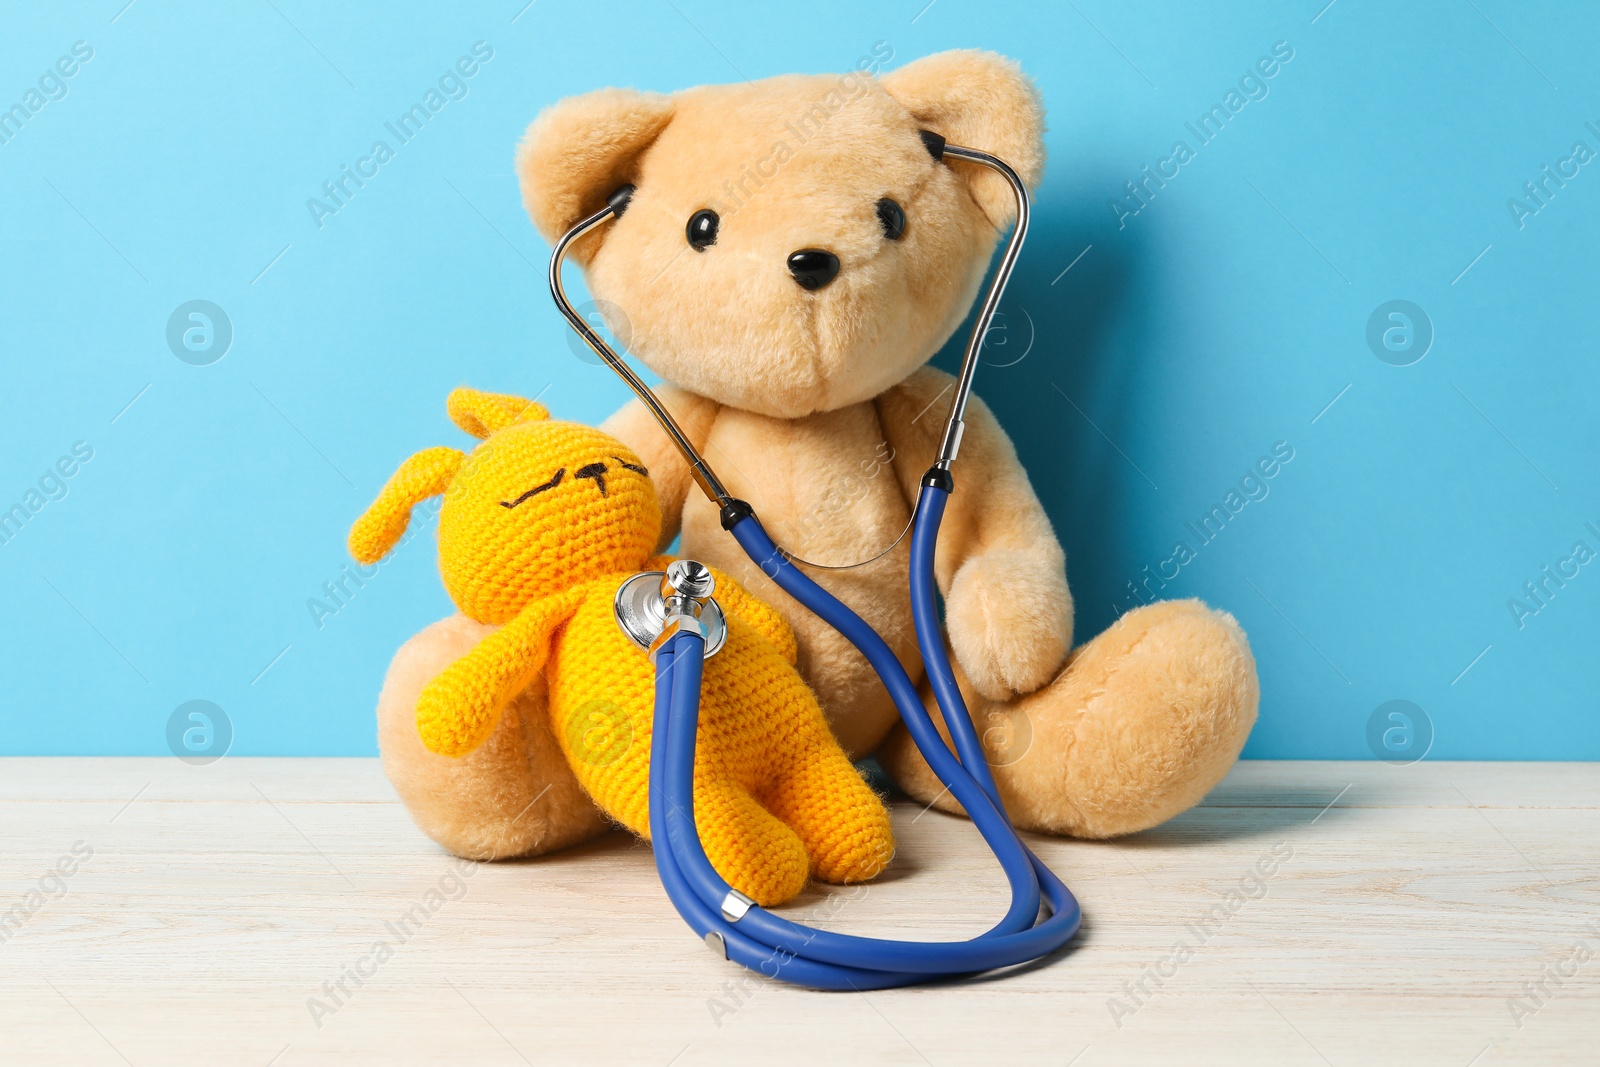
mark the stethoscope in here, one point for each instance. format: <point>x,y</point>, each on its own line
<point>675,626</point>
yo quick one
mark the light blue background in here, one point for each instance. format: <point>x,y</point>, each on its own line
<point>1221,319</point>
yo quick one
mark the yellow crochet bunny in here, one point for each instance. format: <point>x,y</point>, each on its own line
<point>538,527</point>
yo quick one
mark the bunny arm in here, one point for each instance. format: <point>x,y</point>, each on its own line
<point>738,602</point>
<point>634,426</point>
<point>458,709</point>
<point>1008,611</point>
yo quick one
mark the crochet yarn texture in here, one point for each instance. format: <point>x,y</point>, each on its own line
<point>537,528</point>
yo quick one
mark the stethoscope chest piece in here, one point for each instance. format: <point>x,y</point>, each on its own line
<point>642,611</point>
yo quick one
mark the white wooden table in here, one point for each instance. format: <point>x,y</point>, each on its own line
<point>1408,919</point>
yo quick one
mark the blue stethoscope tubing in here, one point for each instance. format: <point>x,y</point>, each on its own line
<point>747,933</point>
<point>776,947</point>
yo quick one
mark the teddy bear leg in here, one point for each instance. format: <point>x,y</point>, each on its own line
<point>1139,725</point>
<point>512,796</point>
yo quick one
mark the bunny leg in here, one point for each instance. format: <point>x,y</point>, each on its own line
<point>843,824</point>
<point>753,850</point>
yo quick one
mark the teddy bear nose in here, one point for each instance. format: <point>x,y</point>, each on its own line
<point>813,267</point>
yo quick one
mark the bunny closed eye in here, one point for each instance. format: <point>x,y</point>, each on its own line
<point>555,480</point>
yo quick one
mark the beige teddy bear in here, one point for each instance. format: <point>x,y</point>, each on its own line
<point>792,257</point>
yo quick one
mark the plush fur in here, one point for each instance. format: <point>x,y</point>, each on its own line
<point>817,407</point>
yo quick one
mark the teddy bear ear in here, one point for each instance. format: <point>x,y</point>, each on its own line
<point>579,151</point>
<point>977,100</point>
<point>481,414</point>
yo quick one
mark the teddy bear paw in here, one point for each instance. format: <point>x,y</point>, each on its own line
<point>1009,618</point>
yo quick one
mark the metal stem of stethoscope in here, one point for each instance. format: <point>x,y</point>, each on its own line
<point>701,471</point>
<point>955,424</point>
<point>703,475</point>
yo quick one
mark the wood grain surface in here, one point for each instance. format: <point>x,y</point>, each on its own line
<point>1308,913</point>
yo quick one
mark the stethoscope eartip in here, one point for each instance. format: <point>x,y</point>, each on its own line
<point>618,200</point>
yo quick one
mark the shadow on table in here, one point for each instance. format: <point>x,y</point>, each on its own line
<point>1246,813</point>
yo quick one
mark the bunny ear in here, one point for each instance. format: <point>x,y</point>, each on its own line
<point>481,414</point>
<point>425,474</point>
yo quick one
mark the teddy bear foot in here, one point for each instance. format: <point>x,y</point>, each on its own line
<point>513,796</point>
<point>1139,725</point>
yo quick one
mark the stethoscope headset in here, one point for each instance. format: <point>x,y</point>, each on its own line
<point>675,626</point>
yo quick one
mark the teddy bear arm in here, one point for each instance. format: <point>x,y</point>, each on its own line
<point>634,426</point>
<point>998,563</point>
<point>994,507</point>
<point>1000,511</point>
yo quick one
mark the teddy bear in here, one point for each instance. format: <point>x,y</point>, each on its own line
<point>538,526</point>
<point>792,256</point>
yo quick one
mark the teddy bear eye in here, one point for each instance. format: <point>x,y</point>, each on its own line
<point>702,229</point>
<point>893,218</point>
